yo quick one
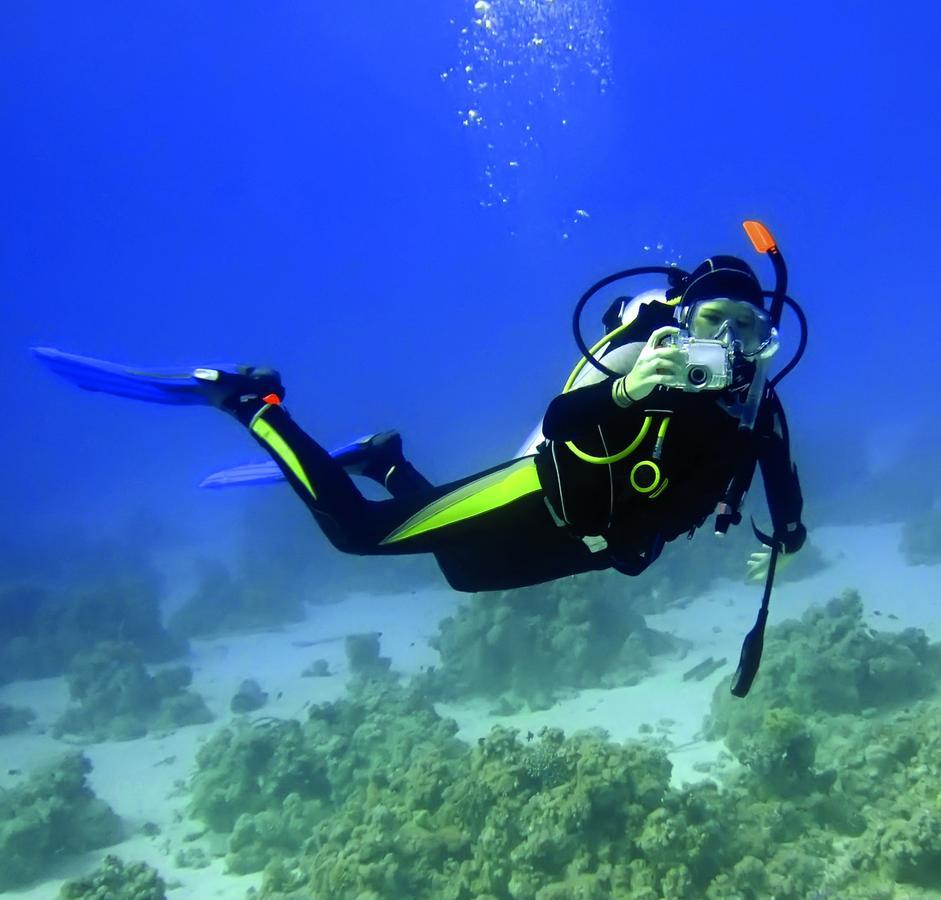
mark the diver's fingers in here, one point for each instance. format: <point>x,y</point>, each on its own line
<point>671,353</point>
<point>655,357</point>
<point>669,369</point>
<point>658,361</point>
<point>764,556</point>
<point>660,334</point>
<point>758,560</point>
<point>659,355</point>
<point>674,372</point>
<point>660,373</point>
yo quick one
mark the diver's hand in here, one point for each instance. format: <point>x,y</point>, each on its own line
<point>656,365</point>
<point>758,562</point>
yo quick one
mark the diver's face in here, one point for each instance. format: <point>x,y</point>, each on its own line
<point>734,320</point>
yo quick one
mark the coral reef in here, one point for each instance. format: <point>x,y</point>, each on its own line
<point>269,783</point>
<point>831,734</point>
<point>505,820</point>
<point>117,699</point>
<point>836,795</point>
<point>248,698</point>
<point>43,627</point>
<point>921,538</point>
<point>551,818</point>
<point>116,880</point>
<point>319,668</point>
<point>266,784</point>
<point>374,797</point>
<point>54,813</point>
<point>362,653</point>
<point>829,662</point>
<point>887,768</point>
<point>247,601</point>
<point>14,718</point>
<point>530,644</point>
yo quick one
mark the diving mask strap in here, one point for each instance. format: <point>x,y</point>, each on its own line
<point>750,658</point>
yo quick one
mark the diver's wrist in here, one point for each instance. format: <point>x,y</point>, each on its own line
<point>620,395</point>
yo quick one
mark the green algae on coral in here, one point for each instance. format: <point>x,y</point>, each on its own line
<point>373,796</point>
<point>115,698</point>
<point>271,783</point>
<point>852,763</point>
<point>577,633</point>
<point>362,653</point>
<point>246,769</point>
<point>116,880</point>
<point>54,813</point>
<point>830,662</point>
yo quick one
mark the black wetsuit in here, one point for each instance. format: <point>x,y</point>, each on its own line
<point>525,521</point>
<point>679,488</point>
<point>511,541</point>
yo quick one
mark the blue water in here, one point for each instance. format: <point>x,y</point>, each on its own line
<point>292,184</point>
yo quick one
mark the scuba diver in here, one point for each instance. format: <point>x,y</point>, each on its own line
<point>661,423</point>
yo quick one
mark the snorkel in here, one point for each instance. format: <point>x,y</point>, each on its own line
<point>763,242</point>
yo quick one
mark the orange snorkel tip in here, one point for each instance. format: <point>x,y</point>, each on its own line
<point>759,236</point>
<point>763,242</point>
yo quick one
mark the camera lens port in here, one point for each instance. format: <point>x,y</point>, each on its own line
<point>697,375</point>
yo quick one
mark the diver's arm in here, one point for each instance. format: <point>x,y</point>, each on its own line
<point>575,412</point>
<point>782,486</point>
<point>598,399</point>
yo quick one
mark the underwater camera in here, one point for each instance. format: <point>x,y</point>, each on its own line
<point>708,363</point>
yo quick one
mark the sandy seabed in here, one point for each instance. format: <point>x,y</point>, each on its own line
<point>144,780</point>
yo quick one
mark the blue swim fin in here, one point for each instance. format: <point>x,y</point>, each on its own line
<point>264,472</point>
<point>370,456</point>
<point>204,385</point>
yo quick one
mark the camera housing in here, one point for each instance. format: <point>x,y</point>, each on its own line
<point>707,363</point>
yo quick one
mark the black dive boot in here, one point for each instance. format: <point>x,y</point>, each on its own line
<point>240,390</point>
<point>373,456</point>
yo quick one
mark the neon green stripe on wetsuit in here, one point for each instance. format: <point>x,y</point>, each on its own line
<point>279,448</point>
<point>474,499</point>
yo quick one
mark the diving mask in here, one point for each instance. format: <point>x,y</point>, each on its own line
<point>736,323</point>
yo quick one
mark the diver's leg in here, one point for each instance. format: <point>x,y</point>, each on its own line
<point>404,479</point>
<point>417,522</point>
<point>379,457</point>
<point>327,490</point>
<point>488,531</point>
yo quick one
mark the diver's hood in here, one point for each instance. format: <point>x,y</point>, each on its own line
<point>723,276</point>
